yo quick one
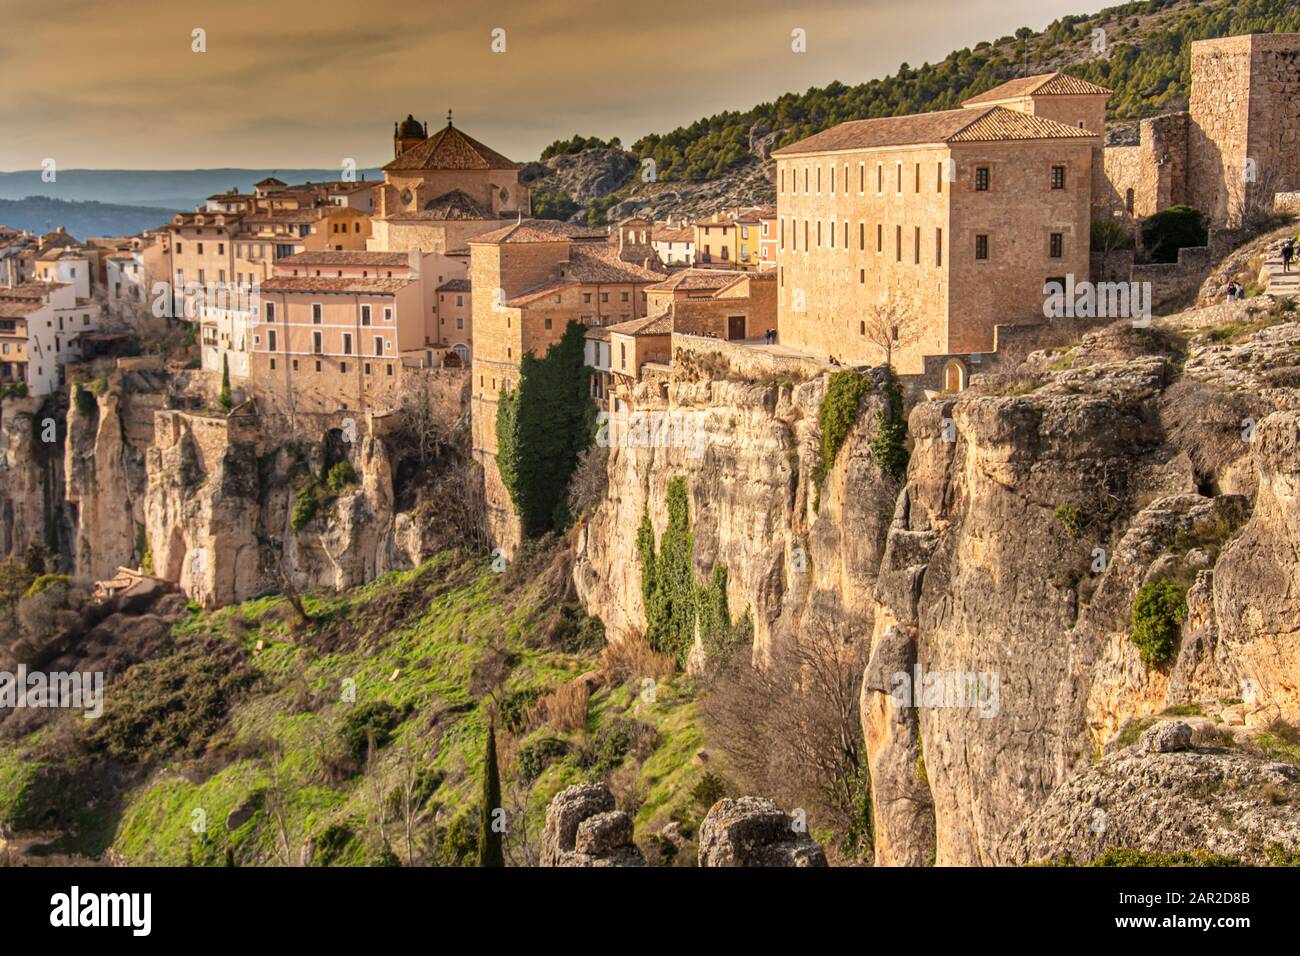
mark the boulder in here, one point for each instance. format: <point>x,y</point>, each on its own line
<point>754,831</point>
<point>583,829</point>
<point>1168,736</point>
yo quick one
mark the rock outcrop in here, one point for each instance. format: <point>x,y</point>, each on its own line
<point>1163,796</point>
<point>583,829</point>
<point>754,831</point>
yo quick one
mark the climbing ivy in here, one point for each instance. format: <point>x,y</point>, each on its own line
<point>889,446</point>
<point>543,424</point>
<point>837,415</point>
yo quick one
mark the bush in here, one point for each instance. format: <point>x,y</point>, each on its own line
<point>46,582</point>
<point>340,476</point>
<point>305,507</point>
<point>1110,236</point>
<point>534,758</point>
<point>375,719</point>
<point>668,578</point>
<point>708,791</point>
<point>1158,613</point>
<point>1171,229</point>
<point>553,204</point>
<point>606,749</point>
<point>1071,519</point>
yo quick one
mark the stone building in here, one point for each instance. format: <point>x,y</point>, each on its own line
<point>1231,150</point>
<point>441,190</point>
<point>957,218</point>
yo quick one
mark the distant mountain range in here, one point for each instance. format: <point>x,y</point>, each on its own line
<point>161,188</point>
<point>118,202</point>
<point>82,219</point>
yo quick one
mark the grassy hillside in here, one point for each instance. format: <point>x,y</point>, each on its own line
<point>330,737</point>
<point>1146,64</point>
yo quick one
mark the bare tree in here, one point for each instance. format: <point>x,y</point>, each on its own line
<point>277,808</point>
<point>792,729</point>
<point>889,326</point>
<point>429,438</point>
<point>1250,196</point>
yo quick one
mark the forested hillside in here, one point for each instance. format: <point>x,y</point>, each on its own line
<point>1145,61</point>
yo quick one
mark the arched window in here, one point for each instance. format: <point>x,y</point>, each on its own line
<point>462,351</point>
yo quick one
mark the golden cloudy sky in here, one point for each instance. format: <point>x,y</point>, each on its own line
<point>303,83</point>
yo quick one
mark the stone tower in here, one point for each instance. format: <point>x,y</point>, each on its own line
<point>408,133</point>
<point>1244,140</point>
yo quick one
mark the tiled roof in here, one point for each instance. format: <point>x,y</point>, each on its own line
<point>336,285</point>
<point>449,148</point>
<point>696,280</point>
<point>989,124</point>
<point>18,308</point>
<point>454,285</point>
<point>457,204</point>
<point>328,257</point>
<point>538,230</point>
<point>592,262</point>
<point>31,290</point>
<point>271,181</point>
<point>1043,84</point>
<point>672,234</point>
<point>661,324</point>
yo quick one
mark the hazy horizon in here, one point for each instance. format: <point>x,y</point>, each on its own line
<point>308,85</point>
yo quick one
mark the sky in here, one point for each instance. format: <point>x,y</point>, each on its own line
<point>313,83</point>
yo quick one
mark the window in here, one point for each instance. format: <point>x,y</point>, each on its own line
<point>200,248</point>
<point>880,237</point>
<point>862,328</point>
<point>1058,177</point>
<point>862,177</point>
<point>548,325</point>
<point>315,313</point>
<point>862,236</point>
<point>379,345</point>
<point>898,243</point>
<point>365,315</point>
<point>270,343</point>
<point>938,178</point>
<point>316,343</point>
<point>272,365</point>
<point>460,323</point>
<point>1056,245</point>
<point>1128,200</point>
<point>347,343</point>
<point>916,245</point>
<point>898,177</point>
<point>294,364</point>
<point>365,368</point>
<point>880,177</point>
<point>388,313</point>
<point>389,368</point>
<point>918,178</point>
<point>938,247</point>
<point>819,233</point>
<point>981,247</point>
<point>343,367</point>
<point>981,179</point>
<point>318,366</point>
<point>586,296</point>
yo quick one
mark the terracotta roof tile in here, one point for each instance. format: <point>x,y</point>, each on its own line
<point>538,230</point>
<point>449,148</point>
<point>342,286</point>
<point>993,123</point>
<point>697,280</point>
<point>330,257</point>
<point>661,324</point>
<point>1042,84</point>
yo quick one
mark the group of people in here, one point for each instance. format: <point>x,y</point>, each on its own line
<point>1235,290</point>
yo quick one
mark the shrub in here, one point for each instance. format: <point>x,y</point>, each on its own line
<point>305,507</point>
<point>46,582</point>
<point>708,791</point>
<point>340,476</point>
<point>1172,229</point>
<point>1109,236</point>
<point>534,758</point>
<point>565,708</point>
<point>515,707</point>
<point>374,720</point>
<point>1071,519</point>
<point>606,749</point>
<point>670,606</point>
<point>837,415</point>
<point>1158,612</point>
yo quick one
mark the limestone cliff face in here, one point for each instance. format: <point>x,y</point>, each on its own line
<point>31,478</point>
<point>996,585</point>
<point>747,452</point>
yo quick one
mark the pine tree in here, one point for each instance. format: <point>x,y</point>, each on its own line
<point>227,402</point>
<point>489,840</point>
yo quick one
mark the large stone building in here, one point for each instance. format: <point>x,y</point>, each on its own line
<point>1237,144</point>
<point>956,218</point>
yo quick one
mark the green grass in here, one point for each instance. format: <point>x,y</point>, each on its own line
<point>436,628</point>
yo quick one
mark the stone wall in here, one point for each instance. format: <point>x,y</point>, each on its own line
<point>1155,170</point>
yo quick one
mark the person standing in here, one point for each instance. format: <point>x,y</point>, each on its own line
<point>1288,251</point>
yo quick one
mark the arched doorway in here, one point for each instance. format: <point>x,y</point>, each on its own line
<point>462,352</point>
<point>954,376</point>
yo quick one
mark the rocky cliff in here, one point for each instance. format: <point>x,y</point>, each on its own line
<point>995,586</point>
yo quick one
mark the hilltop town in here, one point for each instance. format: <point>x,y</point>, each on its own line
<point>305,388</point>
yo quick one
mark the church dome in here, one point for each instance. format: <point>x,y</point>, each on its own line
<point>410,128</point>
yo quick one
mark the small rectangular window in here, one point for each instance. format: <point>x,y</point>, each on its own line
<point>981,247</point>
<point>1056,246</point>
<point>981,179</point>
<point>1058,177</point>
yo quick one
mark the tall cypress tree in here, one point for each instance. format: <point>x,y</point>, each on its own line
<point>227,402</point>
<point>489,840</point>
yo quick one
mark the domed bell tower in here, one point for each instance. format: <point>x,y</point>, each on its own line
<point>410,132</point>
